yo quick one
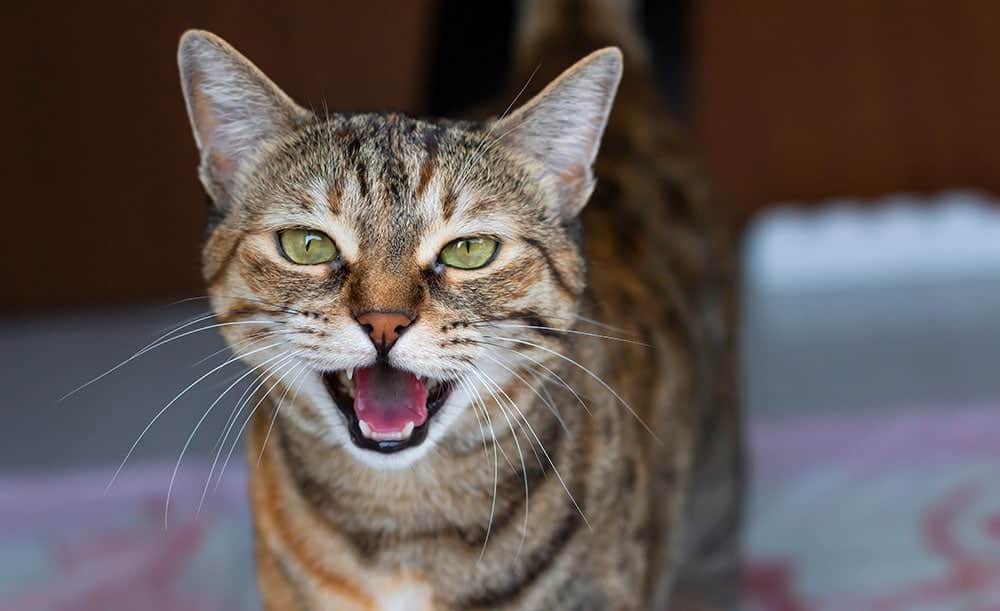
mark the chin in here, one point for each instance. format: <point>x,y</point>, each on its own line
<point>410,456</point>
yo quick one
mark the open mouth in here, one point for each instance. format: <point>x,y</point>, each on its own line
<point>387,409</point>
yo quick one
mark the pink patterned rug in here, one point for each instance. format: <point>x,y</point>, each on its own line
<point>898,511</point>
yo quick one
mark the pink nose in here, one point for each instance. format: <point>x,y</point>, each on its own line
<point>384,328</point>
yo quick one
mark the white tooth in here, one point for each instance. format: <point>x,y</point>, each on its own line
<point>350,374</point>
<point>407,431</point>
<point>366,429</point>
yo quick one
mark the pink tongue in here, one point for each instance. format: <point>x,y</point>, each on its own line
<point>388,398</point>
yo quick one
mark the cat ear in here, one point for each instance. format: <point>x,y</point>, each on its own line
<point>562,126</point>
<point>232,105</point>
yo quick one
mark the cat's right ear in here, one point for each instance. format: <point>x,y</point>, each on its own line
<point>233,108</point>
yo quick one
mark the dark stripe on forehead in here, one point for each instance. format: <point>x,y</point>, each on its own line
<point>395,178</point>
<point>360,168</point>
<point>430,140</point>
<point>333,199</point>
<point>449,203</point>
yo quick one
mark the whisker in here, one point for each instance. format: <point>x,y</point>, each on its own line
<point>496,461</point>
<point>187,443</point>
<point>138,353</point>
<point>157,344</point>
<point>524,470</point>
<point>239,433</point>
<point>165,331</point>
<point>231,420</point>
<point>538,459</point>
<point>591,374</point>
<point>277,306</point>
<point>598,323</point>
<point>479,416</point>
<point>485,143</point>
<point>298,379</point>
<point>546,402</point>
<point>572,331</point>
<point>171,402</point>
<point>243,343</point>
<point>545,452</point>
<point>563,382</point>
<point>507,459</point>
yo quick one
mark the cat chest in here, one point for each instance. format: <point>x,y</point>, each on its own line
<point>378,593</point>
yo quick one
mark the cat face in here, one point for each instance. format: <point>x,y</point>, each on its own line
<point>391,277</point>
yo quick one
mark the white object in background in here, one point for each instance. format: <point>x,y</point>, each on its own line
<point>901,238</point>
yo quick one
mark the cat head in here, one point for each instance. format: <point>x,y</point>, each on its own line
<point>389,276</point>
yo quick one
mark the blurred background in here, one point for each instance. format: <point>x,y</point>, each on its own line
<point>858,142</point>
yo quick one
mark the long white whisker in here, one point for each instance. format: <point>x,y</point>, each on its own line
<point>563,382</point>
<point>482,147</point>
<point>137,354</point>
<point>276,306</point>
<point>588,372</point>
<point>555,469</point>
<point>243,343</point>
<point>482,403</point>
<point>479,416</point>
<point>573,332</point>
<point>187,443</point>
<point>598,323</point>
<point>156,345</point>
<point>220,443</point>
<point>171,402</point>
<point>546,402</point>
<point>297,379</point>
<point>496,460</point>
<point>524,469</point>
<point>239,433</point>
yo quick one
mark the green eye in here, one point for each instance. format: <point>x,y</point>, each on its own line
<point>307,246</point>
<point>468,253</point>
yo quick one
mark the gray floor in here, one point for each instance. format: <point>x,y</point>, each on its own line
<point>866,348</point>
<point>46,357</point>
<point>873,347</point>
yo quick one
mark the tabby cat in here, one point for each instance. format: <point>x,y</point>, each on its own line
<point>478,390</point>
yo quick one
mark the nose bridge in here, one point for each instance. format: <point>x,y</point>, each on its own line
<point>383,290</point>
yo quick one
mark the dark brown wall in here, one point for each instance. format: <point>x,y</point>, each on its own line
<point>806,100</point>
<point>101,198</point>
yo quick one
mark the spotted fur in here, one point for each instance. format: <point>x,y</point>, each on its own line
<point>590,456</point>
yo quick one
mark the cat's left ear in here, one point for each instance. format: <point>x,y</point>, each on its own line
<point>562,126</point>
<point>233,108</point>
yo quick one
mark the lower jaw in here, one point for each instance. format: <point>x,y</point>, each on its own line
<point>416,438</point>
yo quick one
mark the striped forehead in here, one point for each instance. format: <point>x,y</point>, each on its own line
<point>397,180</point>
<point>389,186</point>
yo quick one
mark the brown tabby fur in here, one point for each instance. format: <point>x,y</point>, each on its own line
<point>593,510</point>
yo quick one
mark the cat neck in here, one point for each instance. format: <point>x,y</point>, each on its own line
<point>453,486</point>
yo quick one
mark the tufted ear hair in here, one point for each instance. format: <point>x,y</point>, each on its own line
<point>562,126</point>
<point>233,108</point>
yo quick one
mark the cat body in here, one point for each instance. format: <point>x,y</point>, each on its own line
<point>565,353</point>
